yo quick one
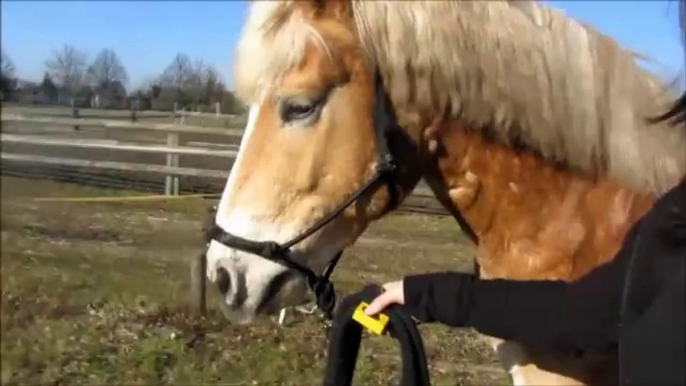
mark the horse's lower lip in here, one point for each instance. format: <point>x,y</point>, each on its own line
<point>275,299</point>
<point>235,317</point>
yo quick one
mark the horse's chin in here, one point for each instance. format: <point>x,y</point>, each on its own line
<point>294,293</point>
<point>242,318</point>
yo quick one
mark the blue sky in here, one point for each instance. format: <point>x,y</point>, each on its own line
<point>148,34</point>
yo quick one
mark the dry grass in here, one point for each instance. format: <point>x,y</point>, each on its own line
<point>96,293</point>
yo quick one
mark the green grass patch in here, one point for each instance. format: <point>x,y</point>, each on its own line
<point>96,293</point>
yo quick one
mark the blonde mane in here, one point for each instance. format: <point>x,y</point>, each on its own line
<point>526,73</point>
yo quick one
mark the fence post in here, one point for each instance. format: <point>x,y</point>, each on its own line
<point>198,285</point>
<point>74,113</point>
<point>176,164</point>
<point>171,181</point>
<point>217,108</point>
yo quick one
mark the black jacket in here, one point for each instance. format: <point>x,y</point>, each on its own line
<point>635,302</point>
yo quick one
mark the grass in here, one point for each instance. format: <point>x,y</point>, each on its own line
<point>96,293</point>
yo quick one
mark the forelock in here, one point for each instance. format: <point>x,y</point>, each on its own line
<point>274,39</point>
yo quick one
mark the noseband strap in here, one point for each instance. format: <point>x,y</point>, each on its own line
<point>384,122</point>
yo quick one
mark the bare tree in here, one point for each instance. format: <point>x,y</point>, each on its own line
<point>48,89</point>
<point>179,73</point>
<point>107,69</point>
<point>192,84</point>
<point>195,85</point>
<point>8,82</point>
<point>180,81</point>
<point>6,66</point>
<point>212,86</point>
<point>67,67</point>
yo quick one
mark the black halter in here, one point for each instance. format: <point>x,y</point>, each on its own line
<point>384,123</point>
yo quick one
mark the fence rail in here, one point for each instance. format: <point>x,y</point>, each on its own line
<point>121,124</point>
<point>421,200</point>
<point>115,145</point>
<point>123,166</point>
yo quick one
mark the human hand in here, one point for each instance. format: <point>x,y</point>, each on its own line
<point>393,294</point>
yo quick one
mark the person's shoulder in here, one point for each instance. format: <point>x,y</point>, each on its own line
<point>675,195</point>
<point>667,216</point>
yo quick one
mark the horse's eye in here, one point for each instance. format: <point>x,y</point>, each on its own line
<point>296,109</point>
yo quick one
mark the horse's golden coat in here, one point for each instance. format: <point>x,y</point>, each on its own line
<point>529,127</point>
<point>534,220</point>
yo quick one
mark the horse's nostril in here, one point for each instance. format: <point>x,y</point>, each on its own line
<point>223,280</point>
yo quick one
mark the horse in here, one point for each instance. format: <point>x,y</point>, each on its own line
<point>529,127</point>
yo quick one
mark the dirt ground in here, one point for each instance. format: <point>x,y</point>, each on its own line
<point>97,293</point>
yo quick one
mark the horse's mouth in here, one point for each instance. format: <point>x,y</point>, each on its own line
<point>288,289</point>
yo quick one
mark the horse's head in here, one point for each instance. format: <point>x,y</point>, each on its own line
<point>311,142</point>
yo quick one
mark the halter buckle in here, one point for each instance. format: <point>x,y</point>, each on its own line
<point>326,297</point>
<point>386,165</point>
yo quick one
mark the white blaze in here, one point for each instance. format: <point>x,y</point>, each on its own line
<point>241,222</point>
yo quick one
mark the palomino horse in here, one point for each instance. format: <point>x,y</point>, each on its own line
<point>528,126</point>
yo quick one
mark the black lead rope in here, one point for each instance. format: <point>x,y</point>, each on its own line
<point>345,337</point>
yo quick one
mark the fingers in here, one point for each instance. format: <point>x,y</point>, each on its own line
<point>389,285</point>
<point>379,303</point>
<point>390,296</point>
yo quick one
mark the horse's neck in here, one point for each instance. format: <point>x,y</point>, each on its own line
<point>531,219</point>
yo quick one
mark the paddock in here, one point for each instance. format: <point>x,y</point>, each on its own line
<point>96,292</point>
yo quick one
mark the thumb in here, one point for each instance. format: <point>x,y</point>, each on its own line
<point>379,303</point>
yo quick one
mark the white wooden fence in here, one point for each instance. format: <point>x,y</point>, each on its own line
<point>424,200</point>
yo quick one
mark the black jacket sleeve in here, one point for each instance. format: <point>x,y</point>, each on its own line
<point>578,315</point>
